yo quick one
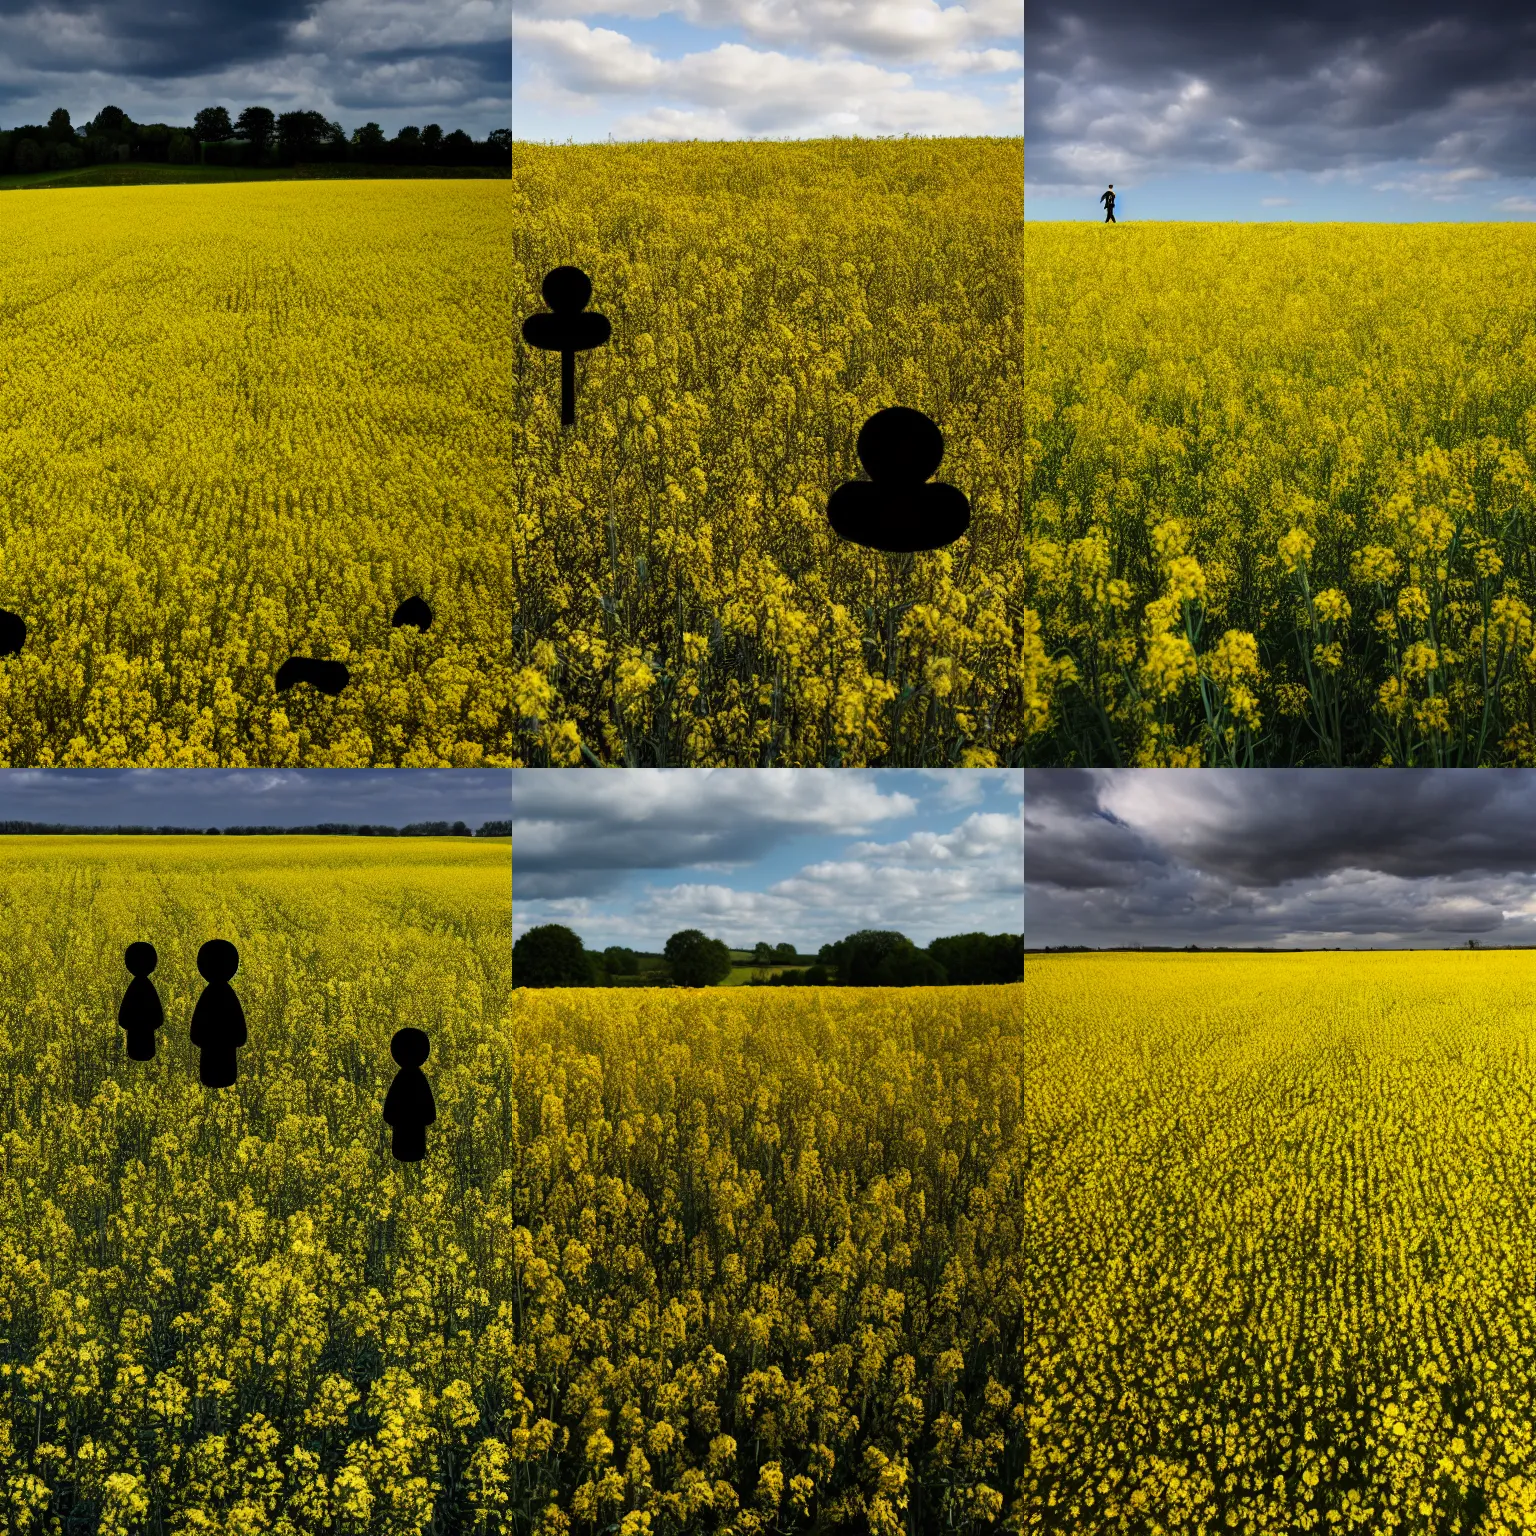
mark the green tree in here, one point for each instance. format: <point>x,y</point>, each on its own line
<point>972,959</point>
<point>550,956</point>
<point>697,960</point>
<point>858,958</point>
<point>619,961</point>
<point>182,150</point>
<point>213,123</point>
<point>28,155</point>
<point>368,141</point>
<point>60,130</point>
<point>111,120</point>
<point>785,953</point>
<point>762,954</point>
<point>431,137</point>
<point>300,135</point>
<point>256,125</point>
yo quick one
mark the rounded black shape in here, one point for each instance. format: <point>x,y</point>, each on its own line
<point>410,1047</point>
<point>140,958</point>
<point>898,521</point>
<point>414,610</point>
<point>566,289</point>
<point>900,446</point>
<point>13,632</point>
<point>217,960</point>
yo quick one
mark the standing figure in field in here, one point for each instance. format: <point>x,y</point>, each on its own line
<point>896,509</point>
<point>408,1106</point>
<point>1108,199</point>
<point>13,632</point>
<point>567,329</point>
<point>218,1020</point>
<point>140,1013</point>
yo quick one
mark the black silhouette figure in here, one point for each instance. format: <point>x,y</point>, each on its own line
<point>140,1012</point>
<point>414,610</point>
<point>218,1020</point>
<point>408,1106</point>
<point>1108,199</point>
<point>13,632</point>
<point>328,676</point>
<point>567,330</point>
<point>895,509</point>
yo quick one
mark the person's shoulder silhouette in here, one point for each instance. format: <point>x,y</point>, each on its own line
<point>140,1013</point>
<point>218,1020</point>
<point>896,509</point>
<point>409,1107</point>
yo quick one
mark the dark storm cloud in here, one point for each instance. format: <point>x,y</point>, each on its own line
<point>1113,85</point>
<point>1279,855</point>
<point>279,797</point>
<point>443,60</point>
<point>139,37</point>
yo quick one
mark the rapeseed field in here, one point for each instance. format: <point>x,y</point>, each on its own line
<point>673,1262</point>
<point>1280,499</point>
<point>243,422</point>
<point>679,597</point>
<point>1278,1244</point>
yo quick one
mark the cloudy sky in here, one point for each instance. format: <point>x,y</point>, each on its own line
<point>389,61</point>
<point>1355,858</point>
<point>282,797</point>
<point>1308,109</point>
<point>772,69</point>
<point>782,855</point>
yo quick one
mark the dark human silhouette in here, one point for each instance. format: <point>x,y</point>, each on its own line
<point>414,610</point>
<point>140,1012</point>
<point>1108,199</point>
<point>218,1020</point>
<point>408,1106</point>
<point>13,632</point>
<point>895,509</point>
<point>328,676</point>
<point>567,330</point>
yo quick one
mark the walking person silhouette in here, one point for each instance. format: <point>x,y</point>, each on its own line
<point>408,1106</point>
<point>140,1013</point>
<point>1108,199</point>
<point>218,1020</point>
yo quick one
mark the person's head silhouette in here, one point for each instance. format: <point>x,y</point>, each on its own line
<point>140,958</point>
<point>410,1047</point>
<point>218,960</point>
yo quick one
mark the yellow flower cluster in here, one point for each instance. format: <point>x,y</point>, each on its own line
<point>673,546</point>
<point>1319,438</point>
<point>719,1263</point>
<point>242,422</point>
<point>1280,1258</point>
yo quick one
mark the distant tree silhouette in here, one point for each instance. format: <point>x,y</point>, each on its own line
<point>550,956</point>
<point>697,960</point>
<point>213,123</point>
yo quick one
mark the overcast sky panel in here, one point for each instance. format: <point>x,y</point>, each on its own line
<point>770,69</point>
<point>393,62</point>
<point>1303,858</point>
<point>1311,110</point>
<point>287,797</point>
<point>783,855</point>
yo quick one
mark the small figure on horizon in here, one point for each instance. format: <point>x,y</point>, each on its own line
<point>567,329</point>
<point>140,1013</point>
<point>218,1020</point>
<point>408,1106</point>
<point>1108,199</point>
<point>896,509</point>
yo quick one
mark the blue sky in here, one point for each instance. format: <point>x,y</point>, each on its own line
<point>773,69</point>
<point>287,797</point>
<point>782,855</point>
<point>1281,109</point>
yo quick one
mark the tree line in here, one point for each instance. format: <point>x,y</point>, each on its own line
<point>320,829</point>
<point>552,955</point>
<point>256,137</point>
